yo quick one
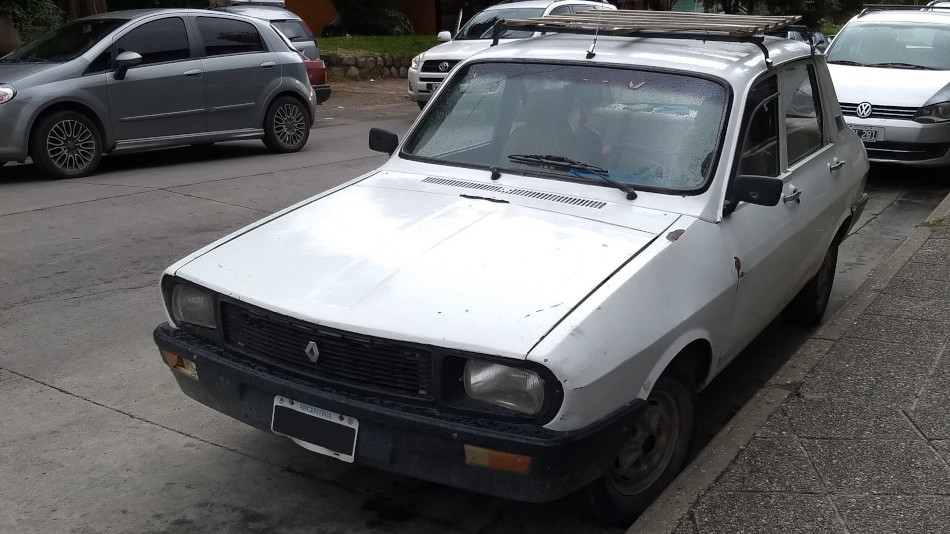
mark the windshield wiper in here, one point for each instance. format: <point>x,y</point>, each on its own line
<point>561,162</point>
<point>847,62</point>
<point>901,66</point>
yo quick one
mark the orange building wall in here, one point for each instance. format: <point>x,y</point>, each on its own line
<point>318,13</point>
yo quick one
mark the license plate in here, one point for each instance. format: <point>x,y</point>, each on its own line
<point>433,86</point>
<point>869,135</point>
<point>315,429</point>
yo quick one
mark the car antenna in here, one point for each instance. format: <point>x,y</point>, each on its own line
<point>590,51</point>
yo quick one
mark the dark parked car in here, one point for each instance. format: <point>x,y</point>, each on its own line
<point>144,79</point>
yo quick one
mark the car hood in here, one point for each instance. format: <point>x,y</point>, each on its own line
<point>904,87</point>
<point>459,50</point>
<point>424,265</point>
<point>14,72</point>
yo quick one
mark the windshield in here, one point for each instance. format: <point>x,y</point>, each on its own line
<point>64,43</point>
<point>480,26</point>
<point>911,46</point>
<point>652,130</point>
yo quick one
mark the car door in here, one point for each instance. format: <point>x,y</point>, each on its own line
<point>239,72</point>
<point>165,94</point>
<point>776,249</point>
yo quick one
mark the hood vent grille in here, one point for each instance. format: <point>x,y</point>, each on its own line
<point>550,197</point>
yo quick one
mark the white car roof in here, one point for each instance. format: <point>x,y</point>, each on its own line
<point>545,3</point>
<point>941,16</point>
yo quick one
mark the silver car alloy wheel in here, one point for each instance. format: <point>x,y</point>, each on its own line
<point>71,145</point>
<point>289,124</point>
<point>648,451</point>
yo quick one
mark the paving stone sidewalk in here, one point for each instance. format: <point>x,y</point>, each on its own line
<point>853,435</point>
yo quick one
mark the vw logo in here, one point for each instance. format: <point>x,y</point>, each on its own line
<point>312,351</point>
<point>444,66</point>
<point>864,110</point>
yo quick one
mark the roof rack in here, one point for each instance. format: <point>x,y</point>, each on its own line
<point>657,24</point>
<point>867,8</point>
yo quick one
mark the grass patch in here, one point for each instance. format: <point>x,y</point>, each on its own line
<point>402,45</point>
<point>932,224</point>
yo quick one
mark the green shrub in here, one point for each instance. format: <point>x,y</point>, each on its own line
<point>33,17</point>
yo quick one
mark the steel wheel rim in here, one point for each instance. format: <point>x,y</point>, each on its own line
<point>289,124</point>
<point>70,145</point>
<point>650,447</point>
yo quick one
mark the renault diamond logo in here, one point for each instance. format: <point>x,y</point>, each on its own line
<point>444,66</point>
<point>864,110</point>
<point>312,351</point>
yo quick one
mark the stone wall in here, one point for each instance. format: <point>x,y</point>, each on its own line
<point>364,68</point>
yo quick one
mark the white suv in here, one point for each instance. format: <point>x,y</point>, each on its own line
<point>429,68</point>
<point>574,237</point>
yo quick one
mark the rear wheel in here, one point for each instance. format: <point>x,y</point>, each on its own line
<point>286,125</point>
<point>809,305</point>
<point>66,144</point>
<point>654,453</point>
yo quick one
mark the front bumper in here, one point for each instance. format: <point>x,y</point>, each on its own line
<point>411,440</point>
<point>423,85</point>
<point>906,142</point>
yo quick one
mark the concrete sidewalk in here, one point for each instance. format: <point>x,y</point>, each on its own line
<point>852,435</point>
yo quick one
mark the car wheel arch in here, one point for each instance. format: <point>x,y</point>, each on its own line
<point>693,357</point>
<point>293,94</point>
<point>70,105</point>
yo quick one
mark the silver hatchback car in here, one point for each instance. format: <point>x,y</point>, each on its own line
<point>145,79</point>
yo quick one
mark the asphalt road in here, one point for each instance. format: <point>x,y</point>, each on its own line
<point>96,437</point>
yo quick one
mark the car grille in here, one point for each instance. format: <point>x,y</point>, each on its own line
<point>345,358</point>
<point>433,65</point>
<point>889,150</point>
<point>881,112</point>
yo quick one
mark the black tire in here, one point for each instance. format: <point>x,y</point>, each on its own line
<point>66,144</point>
<point>809,305</point>
<point>656,451</point>
<point>286,125</point>
<point>421,104</point>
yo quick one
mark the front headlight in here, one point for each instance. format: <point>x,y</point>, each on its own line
<point>934,113</point>
<point>415,63</point>
<point>501,385</point>
<point>7,92</point>
<point>192,305</point>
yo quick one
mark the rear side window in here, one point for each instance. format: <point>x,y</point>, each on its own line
<point>158,41</point>
<point>227,36</point>
<point>803,127</point>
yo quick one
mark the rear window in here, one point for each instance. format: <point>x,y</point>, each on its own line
<point>294,30</point>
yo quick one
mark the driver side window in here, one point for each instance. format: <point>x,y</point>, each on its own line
<point>759,155</point>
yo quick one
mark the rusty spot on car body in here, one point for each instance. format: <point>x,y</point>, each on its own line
<point>674,235</point>
<point>738,262</point>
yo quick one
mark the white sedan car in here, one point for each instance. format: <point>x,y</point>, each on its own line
<point>574,237</point>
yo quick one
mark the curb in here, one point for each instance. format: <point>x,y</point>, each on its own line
<point>669,509</point>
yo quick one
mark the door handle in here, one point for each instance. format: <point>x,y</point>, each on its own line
<point>193,72</point>
<point>838,163</point>
<point>795,195</point>
<point>268,65</point>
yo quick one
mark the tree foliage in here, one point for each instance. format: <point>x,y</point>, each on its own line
<point>371,17</point>
<point>32,17</point>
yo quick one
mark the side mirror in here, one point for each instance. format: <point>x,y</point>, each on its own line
<point>124,61</point>
<point>761,190</point>
<point>384,141</point>
<point>443,36</point>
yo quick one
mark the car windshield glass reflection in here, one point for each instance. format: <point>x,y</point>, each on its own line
<point>654,131</point>
<point>64,43</point>
<point>482,24</point>
<point>905,46</point>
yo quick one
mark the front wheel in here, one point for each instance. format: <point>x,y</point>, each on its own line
<point>809,305</point>
<point>654,453</point>
<point>66,144</point>
<point>286,125</point>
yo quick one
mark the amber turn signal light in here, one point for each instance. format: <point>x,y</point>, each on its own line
<point>503,461</point>
<point>177,363</point>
